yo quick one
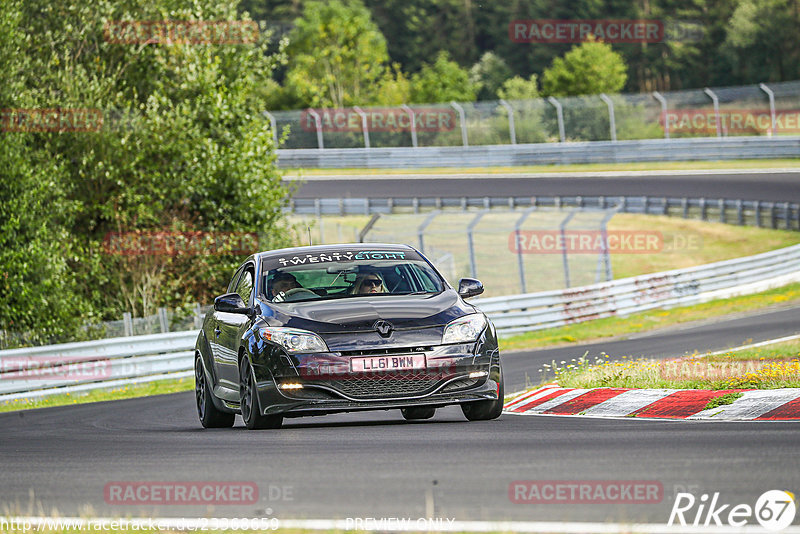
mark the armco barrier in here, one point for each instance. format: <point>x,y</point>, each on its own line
<point>694,149</point>
<point>784,215</point>
<point>41,371</point>
<point>536,311</point>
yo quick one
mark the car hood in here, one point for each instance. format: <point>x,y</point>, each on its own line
<point>360,313</point>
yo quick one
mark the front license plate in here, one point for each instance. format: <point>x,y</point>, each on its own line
<point>388,363</point>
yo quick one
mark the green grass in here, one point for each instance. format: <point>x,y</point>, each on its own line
<point>722,400</point>
<point>583,167</point>
<point>159,387</point>
<point>769,367</point>
<point>650,320</point>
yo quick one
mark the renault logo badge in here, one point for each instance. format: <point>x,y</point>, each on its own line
<point>384,328</point>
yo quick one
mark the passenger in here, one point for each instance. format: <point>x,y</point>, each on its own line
<point>282,283</point>
<point>367,283</point>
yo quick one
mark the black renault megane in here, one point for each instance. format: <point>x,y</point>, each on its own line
<point>337,328</point>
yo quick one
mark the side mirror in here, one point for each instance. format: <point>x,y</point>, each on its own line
<point>231,303</point>
<point>469,287</point>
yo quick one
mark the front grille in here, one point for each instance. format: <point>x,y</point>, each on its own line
<point>383,385</point>
<point>385,352</point>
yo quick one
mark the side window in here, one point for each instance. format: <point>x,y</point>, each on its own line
<point>245,285</point>
<point>234,280</point>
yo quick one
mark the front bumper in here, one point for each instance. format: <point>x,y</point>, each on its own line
<point>330,387</point>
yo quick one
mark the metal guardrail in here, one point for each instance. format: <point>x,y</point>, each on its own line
<point>536,311</point>
<point>41,371</point>
<point>689,149</point>
<point>784,215</point>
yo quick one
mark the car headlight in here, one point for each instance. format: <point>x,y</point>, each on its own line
<point>294,340</point>
<point>464,329</point>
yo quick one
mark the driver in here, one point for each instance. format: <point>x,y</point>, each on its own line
<point>368,282</point>
<point>281,283</point>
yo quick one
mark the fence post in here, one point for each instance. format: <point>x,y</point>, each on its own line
<point>758,213</point>
<point>421,229</point>
<point>772,216</point>
<point>470,227</point>
<point>663,101</point>
<point>605,254</point>
<point>520,262</point>
<point>413,118</point>
<point>787,224</point>
<point>715,100</point>
<point>562,230</point>
<point>364,127</point>
<point>771,96</point>
<point>127,324</point>
<point>462,118</point>
<point>367,227</point>
<point>739,213</point>
<point>611,119</point>
<point>512,131</point>
<point>559,115</point>
<point>722,210</point>
<point>273,127</point>
<point>318,122</point>
<point>162,319</point>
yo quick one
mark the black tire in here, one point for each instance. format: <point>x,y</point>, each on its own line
<point>210,416</point>
<point>417,412</point>
<point>248,401</point>
<point>484,410</point>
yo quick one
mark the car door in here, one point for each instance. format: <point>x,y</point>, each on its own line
<point>230,327</point>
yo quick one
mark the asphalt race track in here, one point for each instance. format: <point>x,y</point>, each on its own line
<point>751,185</point>
<point>376,465</point>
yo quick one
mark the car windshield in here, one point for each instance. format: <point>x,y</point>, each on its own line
<point>351,278</point>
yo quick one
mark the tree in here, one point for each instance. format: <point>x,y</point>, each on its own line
<point>588,69</point>
<point>442,81</point>
<point>182,148</point>
<point>488,74</point>
<point>337,55</point>
<point>518,88</point>
<point>763,35</point>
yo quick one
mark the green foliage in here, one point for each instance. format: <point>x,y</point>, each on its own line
<point>442,81</point>
<point>488,75</point>
<point>518,88</point>
<point>337,55</point>
<point>588,69</point>
<point>763,34</point>
<point>182,148</point>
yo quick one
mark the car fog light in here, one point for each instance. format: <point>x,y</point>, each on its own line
<point>478,374</point>
<point>291,385</point>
